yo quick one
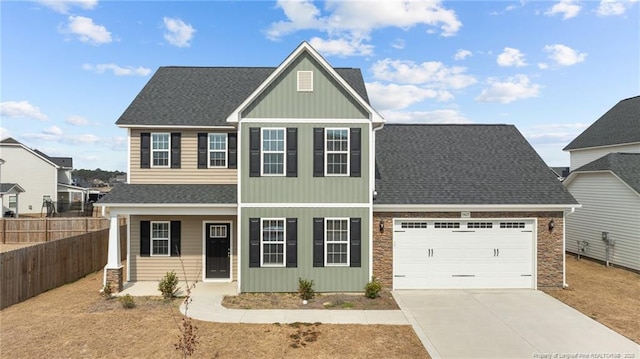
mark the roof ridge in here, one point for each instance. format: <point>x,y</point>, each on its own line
<point>446,124</point>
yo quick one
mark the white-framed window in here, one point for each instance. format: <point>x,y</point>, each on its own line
<point>218,231</point>
<point>273,151</point>
<point>272,245</point>
<point>160,145</point>
<point>160,239</point>
<point>217,150</point>
<point>337,151</point>
<point>336,244</point>
<point>13,200</point>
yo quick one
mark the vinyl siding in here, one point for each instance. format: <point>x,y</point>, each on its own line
<point>36,176</point>
<point>188,171</point>
<point>326,279</point>
<point>328,189</point>
<point>154,268</point>
<point>580,158</point>
<point>327,100</point>
<point>608,205</point>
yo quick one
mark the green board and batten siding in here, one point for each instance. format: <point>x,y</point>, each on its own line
<point>282,100</point>
<point>305,188</point>
<point>280,279</point>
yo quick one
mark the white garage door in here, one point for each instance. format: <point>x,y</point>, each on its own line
<point>429,254</point>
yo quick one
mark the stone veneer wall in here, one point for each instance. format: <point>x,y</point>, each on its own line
<point>550,254</point>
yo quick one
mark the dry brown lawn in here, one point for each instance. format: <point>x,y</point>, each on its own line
<point>320,301</point>
<point>74,322</point>
<point>607,294</point>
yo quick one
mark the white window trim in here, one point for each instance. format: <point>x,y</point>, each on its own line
<point>226,150</point>
<point>348,242</point>
<point>301,89</point>
<point>13,204</point>
<point>284,152</point>
<point>151,239</point>
<point>168,150</point>
<point>327,152</point>
<point>284,243</point>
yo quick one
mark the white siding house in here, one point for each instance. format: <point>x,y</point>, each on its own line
<point>605,179</point>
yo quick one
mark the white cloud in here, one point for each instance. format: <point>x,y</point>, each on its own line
<point>514,88</point>
<point>4,133</point>
<point>543,66</point>
<point>563,55</point>
<point>77,121</point>
<point>462,54</point>
<point>554,133</point>
<point>117,70</point>
<point>436,116</point>
<point>614,7</point>
<point>341,47</point>
<point>55,134</point>
<point>21,109</point>
<point>511,57</point>
<point>430,73</point>
<point>63,6</point>
<point>398,44</point>
<point>357,19</point>
<point>394,97</point>
<point>178,33</point>
<point>53,130</point>
<point>566,8</point>
<point>87,31</point>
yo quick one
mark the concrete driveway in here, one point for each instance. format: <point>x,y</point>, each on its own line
<point>507,324</point>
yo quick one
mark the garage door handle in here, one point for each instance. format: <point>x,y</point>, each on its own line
<point>400,275</point>
<point>497,252</point>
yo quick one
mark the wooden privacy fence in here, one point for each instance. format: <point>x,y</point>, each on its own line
<point>29,271</point>
<point>33,230</point>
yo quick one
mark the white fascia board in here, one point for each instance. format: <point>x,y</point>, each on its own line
<point>234,117</point>
<point>603,146</point>
<point>178,127</point>
<point>174,211</point>
<point>72,187</point>
<point>305,205</point>
<point>471,207</point>
<point>305,120</point>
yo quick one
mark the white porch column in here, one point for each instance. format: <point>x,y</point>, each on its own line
<point>113,270</point>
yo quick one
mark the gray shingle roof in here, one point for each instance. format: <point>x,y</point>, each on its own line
<point>621,124</point>
<point>462,164</point>
<point>171,194</point>
<point>6,187</point>
<point>204,96</point>
<point>624,165</point>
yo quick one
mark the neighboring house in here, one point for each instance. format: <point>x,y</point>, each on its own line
<point>561,172</point>
<point>605,179</point>
<point>43,178</point>
<point>267,175</point>
<point>9,196</point>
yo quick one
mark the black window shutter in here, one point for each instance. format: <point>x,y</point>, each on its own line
<point>356,150</point>
<point>254,242</point>
<point>145,238</point>
<point>318,242</point>
<point>232,150</point>
<point>254,152</point>
<point>145,150</point>
<point>292,242</point>
<point>292,152</point>
<point>318,152</point>
<point>355,242</point>
<point>175,150</point>
<point>175,238</point>
<point>203,145</point>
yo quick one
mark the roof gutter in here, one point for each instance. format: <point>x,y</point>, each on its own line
<point>472,207</point>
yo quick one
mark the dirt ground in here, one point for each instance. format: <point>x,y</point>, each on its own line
<point>607,294</point>
<point>320,301</point>
<point>73,321</point>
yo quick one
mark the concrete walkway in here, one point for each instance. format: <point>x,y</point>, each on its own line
<point>206,305</point>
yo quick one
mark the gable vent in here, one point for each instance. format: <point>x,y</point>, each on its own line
<point>305,81</point>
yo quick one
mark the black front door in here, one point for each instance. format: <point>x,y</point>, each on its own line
<point>218,250</point>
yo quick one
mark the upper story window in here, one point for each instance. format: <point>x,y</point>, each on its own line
<point>337,151</point>
<point>273,151</point>
<point>160,144</point>
<point>217,150</point>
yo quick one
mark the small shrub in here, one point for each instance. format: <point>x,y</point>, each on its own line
<point>168,285</point>
<point>127,301</point>
<point>305,289</point>
<point>373,288</point>
<point>107,291</point>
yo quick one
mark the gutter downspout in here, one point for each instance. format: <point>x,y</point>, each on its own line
<point>372,176</point>
<point>564,248</point>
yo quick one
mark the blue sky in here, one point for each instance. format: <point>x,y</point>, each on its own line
<point>70,68</point>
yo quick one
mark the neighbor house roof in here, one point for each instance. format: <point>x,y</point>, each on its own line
<point>624,165</point>
<point>64,162</point>
<point>171,194</point>
<point>204,96</point>
<point>621,124</point>
<point>462,165</point>
<point>10,187</point>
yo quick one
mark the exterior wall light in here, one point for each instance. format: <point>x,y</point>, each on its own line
<point>381,225</point>
<point>552,225</point>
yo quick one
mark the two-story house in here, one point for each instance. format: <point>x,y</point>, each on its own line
<point>605,178</point>
<point>267,175</point>
<point>45,180</point>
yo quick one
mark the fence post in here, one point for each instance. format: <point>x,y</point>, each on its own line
<point>47,228</point>
<point>4,230</point>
